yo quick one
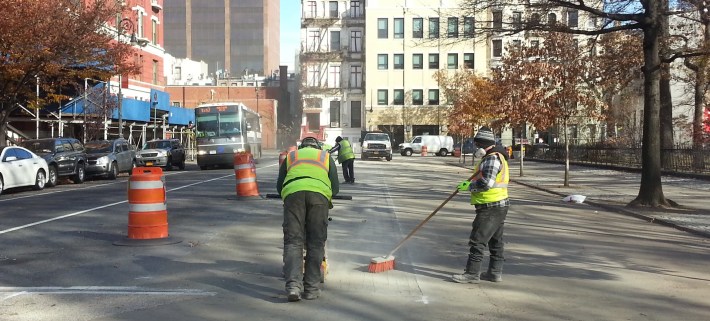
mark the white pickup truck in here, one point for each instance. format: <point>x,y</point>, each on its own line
<point>376,145</point>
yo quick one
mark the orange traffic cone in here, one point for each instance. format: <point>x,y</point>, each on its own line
<point>245,172</point>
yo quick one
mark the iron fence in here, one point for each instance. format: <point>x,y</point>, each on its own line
<point>680,159</point>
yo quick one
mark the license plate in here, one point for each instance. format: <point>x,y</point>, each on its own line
<point>376,153</point>
<point>213,152</point>
<point>148,163</point>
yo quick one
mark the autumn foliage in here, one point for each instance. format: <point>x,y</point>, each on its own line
<point>56,43</point>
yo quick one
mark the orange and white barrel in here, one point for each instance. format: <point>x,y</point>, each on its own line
<point>245,171</point>
<point>424,151</point>
<point>147,204</point>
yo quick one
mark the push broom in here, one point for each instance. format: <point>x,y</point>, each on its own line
<point>386,263</point>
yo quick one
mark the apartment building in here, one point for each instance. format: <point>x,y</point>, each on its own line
<point>234,37</point>
<point>332,69</point>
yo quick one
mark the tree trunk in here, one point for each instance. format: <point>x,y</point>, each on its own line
<point>651,189</point>
<point>3,126</point>
<point>566,180</point>
<point>666,111</point>
<point>522,152</point>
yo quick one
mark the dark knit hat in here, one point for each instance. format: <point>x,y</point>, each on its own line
<point>485,137</point>
<point>338,139</point>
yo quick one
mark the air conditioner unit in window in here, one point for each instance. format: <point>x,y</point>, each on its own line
<point>334,124</point>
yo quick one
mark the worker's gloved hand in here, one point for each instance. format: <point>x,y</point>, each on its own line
<point>464,186</point>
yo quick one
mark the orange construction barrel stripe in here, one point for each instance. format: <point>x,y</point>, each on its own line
<point>147,203</point>
<point>245,171</point>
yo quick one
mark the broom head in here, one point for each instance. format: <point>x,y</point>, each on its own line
<point>381,264</point>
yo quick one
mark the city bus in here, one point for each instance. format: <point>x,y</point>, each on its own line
<point>223,129</point>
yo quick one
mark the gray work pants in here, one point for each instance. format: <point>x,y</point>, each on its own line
<point>305,222</point>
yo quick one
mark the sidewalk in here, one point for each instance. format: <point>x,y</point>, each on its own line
<point>613,190</point>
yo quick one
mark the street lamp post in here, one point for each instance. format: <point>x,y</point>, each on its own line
<point>127,25</point>
<point>256,92</point>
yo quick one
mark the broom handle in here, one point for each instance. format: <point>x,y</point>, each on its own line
<point>427,219</point>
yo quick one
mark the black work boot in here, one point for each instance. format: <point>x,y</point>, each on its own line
<point>470,275</point>
<point>494,273</point>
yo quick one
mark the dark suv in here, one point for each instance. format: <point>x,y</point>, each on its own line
<point>162,153</point>
<point>64,156</point>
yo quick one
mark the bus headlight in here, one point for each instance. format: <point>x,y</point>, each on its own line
<point>201,152</point>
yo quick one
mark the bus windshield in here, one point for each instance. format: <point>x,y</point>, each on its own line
<point>225,124</point>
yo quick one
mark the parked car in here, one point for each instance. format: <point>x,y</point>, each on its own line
<point>64,156</point>
<point>376,144</point>
<point>436,144</point>
<point>21,167</point>
<point>163,153</point>
<point>109,158</point>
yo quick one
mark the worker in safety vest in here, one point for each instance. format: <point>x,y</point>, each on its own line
<point>308,179</point>
<point>346,157</point>
<point>489,194</point>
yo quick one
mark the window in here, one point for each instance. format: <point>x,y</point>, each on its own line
<point>452,30</point>
<point>573,18</point>
<point>398,28</point>
<point>313,75</point>
<point>313,121</point>
<point>334,113</point>
<point>417,61</point>
<point>176,104</point>
<point>497,48</point>
<point>355,76</point>
<point>418,28</point>
<point>382,28</point>
<point>468,27</point>
<point>418,97</point>
<point>398,60</point>
<point>355,41</point>
<point>534,43</point>
<point>355,9</point>
<point>433,27</point>
<point>535,19</point>
<point>468,60</point>
<point>333,9</point>
<point>382,62</point>
<point>452,61</point>
<point>517,43</point>
<point>355,114</point>
<point>313,37</point>
<point>382,97</point>
<point>517,20</point>
<point>433,61</point>
<point>551,19</point>
<point>139,24</point>
<point>498,19</point>
<point>433,96</point>
<point>155,72</point>
<point>335,41</point>
<point>334,77</point>
<point>398,98</point>
<point>154,27</point>
<point>312,11</point>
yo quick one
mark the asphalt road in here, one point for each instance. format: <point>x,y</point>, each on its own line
<point>565,261</point>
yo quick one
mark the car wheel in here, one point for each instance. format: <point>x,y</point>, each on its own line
<point>443,152</point>
<point>407,152</point>
<point>52,176</point>
<point>181,166</point>
<point>362,156</point>
<point>113,171</point>
<point>2,185</point>
<point>40,181</point>
<point>169,165</point>
<point>80,174</point>
<point>389,158</point>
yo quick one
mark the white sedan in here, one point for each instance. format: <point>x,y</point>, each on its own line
<point>21,167</point>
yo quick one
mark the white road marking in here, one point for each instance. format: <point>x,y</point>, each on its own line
<point>109,205</point>
<point>98,290</point>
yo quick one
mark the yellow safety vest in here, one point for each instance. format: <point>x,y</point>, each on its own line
<point>307,170</point>
<point>345,152</point>
<point>499,191</point>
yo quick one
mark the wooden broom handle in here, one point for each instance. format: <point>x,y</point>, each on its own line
<point>427,218</point>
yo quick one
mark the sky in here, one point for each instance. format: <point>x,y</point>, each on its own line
<point>290,32</point>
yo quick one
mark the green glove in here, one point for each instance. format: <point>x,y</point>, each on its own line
<point>464,186</point>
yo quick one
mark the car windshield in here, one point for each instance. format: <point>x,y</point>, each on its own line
<point>42,146</point>
<point>377,137</point>
<point>98,147</point>
<point>158,144</point>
